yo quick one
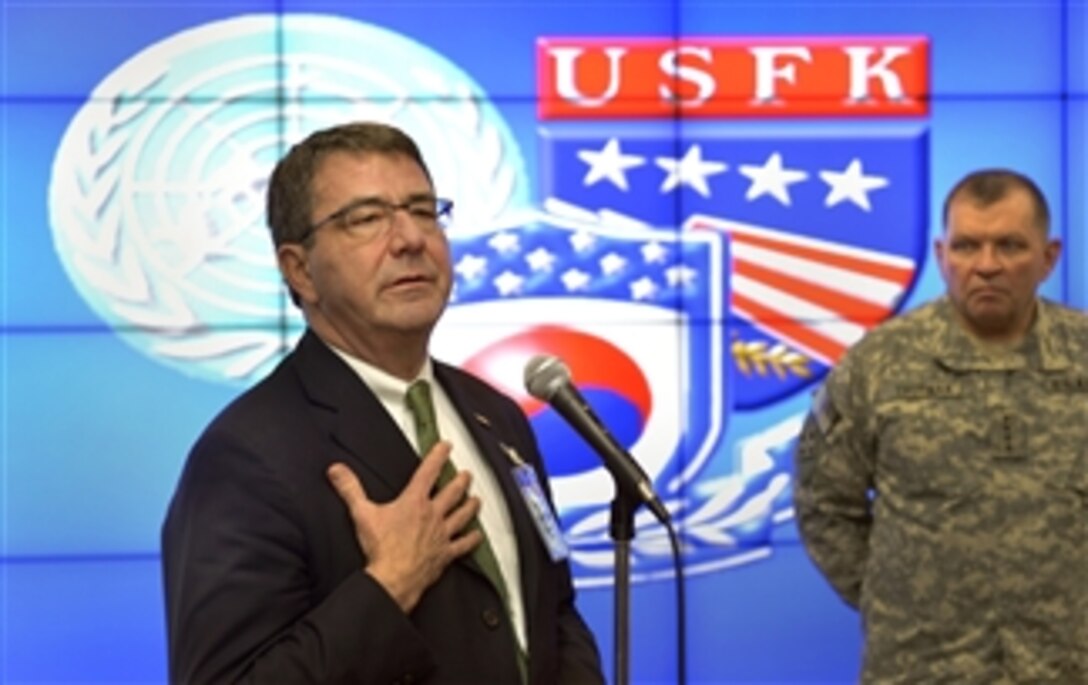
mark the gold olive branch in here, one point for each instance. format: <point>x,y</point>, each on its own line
<point>760,358</point>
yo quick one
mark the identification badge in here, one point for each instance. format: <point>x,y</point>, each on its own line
<point>542,515</point>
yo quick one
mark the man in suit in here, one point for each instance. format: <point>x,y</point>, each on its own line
<point>308,540</point>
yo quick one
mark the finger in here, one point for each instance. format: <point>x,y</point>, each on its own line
<point>452,493</point>
<point>348,487</point>
<point>464,544</point>
<point>431,466</point>
<point>459,519</point>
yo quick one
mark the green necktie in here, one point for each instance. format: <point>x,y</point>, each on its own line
<point>422,408</point>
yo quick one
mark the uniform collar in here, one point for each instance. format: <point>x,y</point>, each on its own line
<point>958,350</point>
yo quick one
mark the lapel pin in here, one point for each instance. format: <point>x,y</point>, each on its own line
<point>512,454</point>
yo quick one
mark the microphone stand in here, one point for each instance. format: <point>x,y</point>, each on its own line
<point>622,529</point>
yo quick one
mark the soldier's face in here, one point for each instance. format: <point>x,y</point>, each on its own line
<point>992,259</point>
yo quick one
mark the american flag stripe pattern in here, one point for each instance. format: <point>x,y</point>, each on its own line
<point>818,295</point>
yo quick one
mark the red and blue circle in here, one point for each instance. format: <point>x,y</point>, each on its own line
<point>610,380</point>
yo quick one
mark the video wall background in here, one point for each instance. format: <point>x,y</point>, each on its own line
<point>699,264</point>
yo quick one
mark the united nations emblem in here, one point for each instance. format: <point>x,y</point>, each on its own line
<point>157,193</point>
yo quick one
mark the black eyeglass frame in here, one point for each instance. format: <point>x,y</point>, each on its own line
<point>442,210</point>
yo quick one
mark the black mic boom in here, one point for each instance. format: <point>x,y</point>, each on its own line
<point>548,379</point>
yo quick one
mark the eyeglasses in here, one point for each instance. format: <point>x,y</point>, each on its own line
<point>371,218</point>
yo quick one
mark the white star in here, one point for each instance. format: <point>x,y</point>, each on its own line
<point>504,242</point>
<point>612,263</point>
<point>609,163</point>
<point>691,171</point>
<point>680,275</point>
<point>851,185</point>
<point>470,267</point>
<point>540,259</point>
<point>643,289</point>
<point>653,252</point>
<point>582,241</point>
<point>508,283</point>
<point>575,280</point>
<point>771,179</point>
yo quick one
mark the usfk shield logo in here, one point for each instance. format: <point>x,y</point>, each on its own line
<point>808,154</point>
<point>636,314</point>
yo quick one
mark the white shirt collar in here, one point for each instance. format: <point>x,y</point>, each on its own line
<point>388,388</point>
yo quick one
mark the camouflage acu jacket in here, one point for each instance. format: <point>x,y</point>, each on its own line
<point>943,490</point>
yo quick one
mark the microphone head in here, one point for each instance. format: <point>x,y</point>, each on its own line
<point>545,375</point>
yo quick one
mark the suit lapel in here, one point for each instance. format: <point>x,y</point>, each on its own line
<point>355,419</point>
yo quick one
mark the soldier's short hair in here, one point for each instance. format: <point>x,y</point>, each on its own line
<point>290,195</point>
<point>987,186</point>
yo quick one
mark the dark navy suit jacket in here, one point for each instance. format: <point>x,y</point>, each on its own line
<point>264,579</point>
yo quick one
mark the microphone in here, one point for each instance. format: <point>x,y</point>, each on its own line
<point>548,379</point>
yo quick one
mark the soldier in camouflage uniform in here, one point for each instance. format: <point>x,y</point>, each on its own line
<point>942,474</point>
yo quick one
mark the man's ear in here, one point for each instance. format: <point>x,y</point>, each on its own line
<point>939,248</point>
<point>1051,252</point>
<point>295,269</point>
